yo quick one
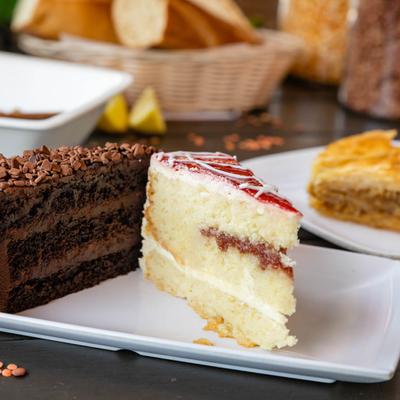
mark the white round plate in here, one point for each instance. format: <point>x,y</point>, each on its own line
<point>290,171</point>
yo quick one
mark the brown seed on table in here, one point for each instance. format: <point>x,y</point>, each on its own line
<point>250,145</point>
<point>230,141</point>
<point>11,367</point>
<point>233,137</point>
<point>196,139</point>
<point>230,146</point>
<point>6,373</point>
<point>19,372</point>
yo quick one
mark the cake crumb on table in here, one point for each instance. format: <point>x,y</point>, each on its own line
<point>261,142</point>
<point>230,141</point>
<point>213,323</point>
<point>196,139</point>
<point>204,342</point>
<point>260,119</point>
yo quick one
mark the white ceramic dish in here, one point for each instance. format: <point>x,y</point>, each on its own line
<point>347,321</point>
<point>291,172</point>
<point>34,85</point>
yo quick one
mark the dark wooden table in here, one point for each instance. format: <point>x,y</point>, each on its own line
<point>310,116</point>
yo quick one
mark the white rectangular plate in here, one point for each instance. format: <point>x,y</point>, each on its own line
<point>347,321</point>
<point>291,173</point>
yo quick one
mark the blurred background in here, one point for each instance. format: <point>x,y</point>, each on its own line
<point>247,68</point>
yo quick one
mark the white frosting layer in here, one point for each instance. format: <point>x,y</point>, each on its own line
<point>207,161</point>
<point>243,293</point>
<point>218,186</point>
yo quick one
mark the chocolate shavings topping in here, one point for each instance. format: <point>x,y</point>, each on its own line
<point>44,164</point>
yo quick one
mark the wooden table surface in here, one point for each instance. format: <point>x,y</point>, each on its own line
<point>310,116</point>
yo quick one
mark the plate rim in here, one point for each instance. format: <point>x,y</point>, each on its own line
<point>311,226</point>
<point>309,368</point>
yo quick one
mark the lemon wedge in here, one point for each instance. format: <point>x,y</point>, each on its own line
<point>146,115</point>
<point>115,115</point>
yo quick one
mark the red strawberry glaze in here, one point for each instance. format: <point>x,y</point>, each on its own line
<point>225,167</point>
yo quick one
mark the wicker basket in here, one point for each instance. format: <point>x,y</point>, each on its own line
<point>235,77</point>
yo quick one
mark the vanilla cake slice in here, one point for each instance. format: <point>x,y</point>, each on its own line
<point>217,236</point>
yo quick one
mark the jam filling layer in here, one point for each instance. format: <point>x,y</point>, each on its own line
<point>267,255</point>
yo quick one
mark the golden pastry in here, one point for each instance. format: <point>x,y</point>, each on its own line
<point>358,179</point>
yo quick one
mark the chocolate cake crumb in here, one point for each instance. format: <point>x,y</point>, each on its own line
<point>42,164</point>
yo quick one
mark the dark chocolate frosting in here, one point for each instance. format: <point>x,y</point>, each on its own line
<point>43,164</point>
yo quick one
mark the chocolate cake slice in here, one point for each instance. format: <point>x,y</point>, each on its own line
<point>69,219</point>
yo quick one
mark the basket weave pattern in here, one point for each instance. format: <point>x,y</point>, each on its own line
<point>235,77</point>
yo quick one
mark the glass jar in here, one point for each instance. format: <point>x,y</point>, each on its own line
<point>322,24</point>
<point>371,82</point>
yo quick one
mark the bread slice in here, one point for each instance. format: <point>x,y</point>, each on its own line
<point>190,26</point>
<point>48,19</point>
<point>229,14</point>
<point>175,24</point>
<point>140,23</point>
<point>358,179</point>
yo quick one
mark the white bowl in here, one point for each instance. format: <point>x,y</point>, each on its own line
<point>34,85</point>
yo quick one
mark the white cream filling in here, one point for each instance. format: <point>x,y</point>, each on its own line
<point>243,294</point>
